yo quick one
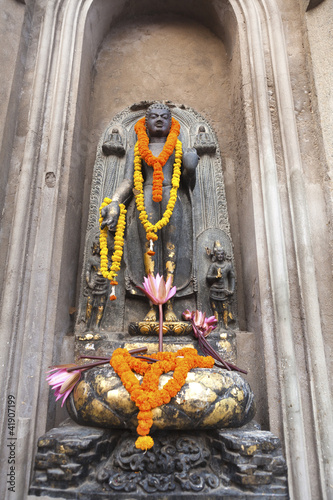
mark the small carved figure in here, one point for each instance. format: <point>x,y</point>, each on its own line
<point>114,144</point>
<point>204,142</point>
<point>97,288</point>
<point>221,278</point>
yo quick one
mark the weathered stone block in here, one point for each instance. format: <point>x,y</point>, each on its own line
<point>256,479</point>
<point>179,463</point>
<point>73,468</point>
<point>248,469</point>
<point>56,474</point>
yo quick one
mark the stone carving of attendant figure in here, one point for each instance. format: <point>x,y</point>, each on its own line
<point>114,144</point>
<point>221,278</point>
<point>158,129</point>
<point>97,287</point>
<point>204,142</point>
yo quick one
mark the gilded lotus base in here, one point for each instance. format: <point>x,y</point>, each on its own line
<point>210,398</point>
<point>176,328</point>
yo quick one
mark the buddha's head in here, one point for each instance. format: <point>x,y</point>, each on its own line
<point>158,120</point>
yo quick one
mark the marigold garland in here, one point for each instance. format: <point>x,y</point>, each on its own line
<point>111,273</point>
<point>142,150</point>
<point>157,162</point>
<point>148,396</point>
<point>151,229</point>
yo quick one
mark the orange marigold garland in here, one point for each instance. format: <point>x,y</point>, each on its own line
<point>148,396</point>
<point>111,273</point>
<point>151,229</point>
<point>157,162</point>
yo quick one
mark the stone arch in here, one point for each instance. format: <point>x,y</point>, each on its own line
<point>67,48</point>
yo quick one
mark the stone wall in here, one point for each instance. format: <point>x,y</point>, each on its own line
<point>259,71</point>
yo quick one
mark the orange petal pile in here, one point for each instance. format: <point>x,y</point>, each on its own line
<point>148,396</point>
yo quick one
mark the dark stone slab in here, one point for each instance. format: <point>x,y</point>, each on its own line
<point>86,463</point>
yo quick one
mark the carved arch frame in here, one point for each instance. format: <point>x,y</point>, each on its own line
<point>67,47</point>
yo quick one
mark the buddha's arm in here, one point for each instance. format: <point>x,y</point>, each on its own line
<point>123,194</point>
<point>190,162</point>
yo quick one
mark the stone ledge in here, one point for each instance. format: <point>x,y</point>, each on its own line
<point>243,463</point>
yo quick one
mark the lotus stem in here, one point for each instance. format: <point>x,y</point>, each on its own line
<point>152,360</point>
<point>102,360</point>
<point>132,351</point>
<point>160,330</point>
<point>94,357</point>
<point>87,366</point>
<point>138,349</point>
<point>208,349</point>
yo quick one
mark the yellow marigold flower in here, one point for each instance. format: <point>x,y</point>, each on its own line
<point>119,243</point>
<point>138,185</point>
<point>144,443</point>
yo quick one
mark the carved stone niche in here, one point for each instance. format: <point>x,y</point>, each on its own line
<point>205,442</point>
<point>205,220</point>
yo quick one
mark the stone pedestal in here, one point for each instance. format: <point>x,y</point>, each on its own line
<point>88,463</point>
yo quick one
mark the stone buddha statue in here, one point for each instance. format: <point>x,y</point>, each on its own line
<point>167,248</point>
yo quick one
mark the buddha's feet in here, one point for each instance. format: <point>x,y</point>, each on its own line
<point>169,315</point>
<point>151,315</point>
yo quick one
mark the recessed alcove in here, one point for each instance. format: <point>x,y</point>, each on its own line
<point>174,59</point>
<point>137,51</point>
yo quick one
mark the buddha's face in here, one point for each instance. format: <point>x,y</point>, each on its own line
<point>158,122</point>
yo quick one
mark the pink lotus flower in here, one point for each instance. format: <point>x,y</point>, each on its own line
<point>159,293</point>
<point>157,290</point>
<point>202,327</point>
<point>63,382</point>
<point>203,324</point>
<point>65,377</point>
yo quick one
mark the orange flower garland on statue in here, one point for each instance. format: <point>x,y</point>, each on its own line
<point>157,162</point>
<point>150,228</point>
<point>118,247</point>
<point>148,396</point>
